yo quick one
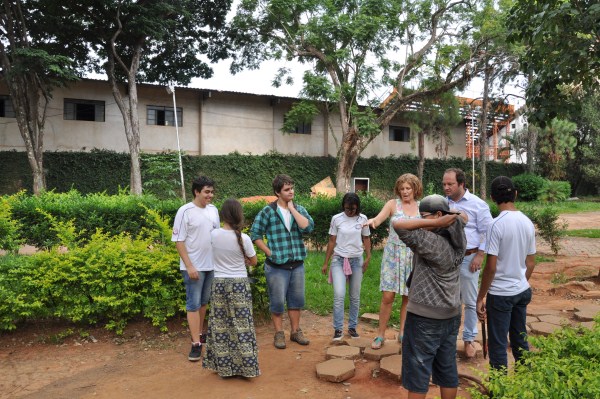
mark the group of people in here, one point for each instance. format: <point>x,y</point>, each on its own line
<point>432,258</point>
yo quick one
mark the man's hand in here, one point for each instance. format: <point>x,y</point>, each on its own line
<point>476,262</point>
<point>291,206</point>
<point>480,308</point>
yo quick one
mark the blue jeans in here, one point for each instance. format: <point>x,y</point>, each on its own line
<point>507,315</point>
<point>469,284</point>
<point>197,292</point>
<point>285,286</point>
<point>339,290</point>
<point>429,350</point>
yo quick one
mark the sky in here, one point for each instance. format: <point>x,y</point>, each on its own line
<point>259,82</point>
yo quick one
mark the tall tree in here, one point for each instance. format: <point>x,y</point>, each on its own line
<point>30,73</point>
<point>562,47</point>
<point>418,48</point>
<point>556,147</point>
<point>138,41</point>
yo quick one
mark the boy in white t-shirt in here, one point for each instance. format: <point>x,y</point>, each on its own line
<point>504,285</point>
<point>191,233</point>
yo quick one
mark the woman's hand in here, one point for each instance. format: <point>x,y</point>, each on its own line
<point>324,268</point>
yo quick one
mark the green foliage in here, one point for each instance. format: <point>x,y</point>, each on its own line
<point>548,225</point>
<point>9,227</point>
<point>587,233</point>
<point>556,144</point>
<point>564,365</point>
<point>161,176</point>
<point>302,112</point>
<point>235,175</point>
<point>555,191</point>
<point>529,186</point>
<point>108,279</point>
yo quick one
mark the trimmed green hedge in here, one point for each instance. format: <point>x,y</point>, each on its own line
<point>235,175</point>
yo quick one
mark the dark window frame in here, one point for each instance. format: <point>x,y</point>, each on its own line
<point>6,107</point>
<point>158,115</point>
<point>76,109</point>
<point>399,133</point>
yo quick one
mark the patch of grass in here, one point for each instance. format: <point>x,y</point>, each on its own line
<point>542,258</point>
<point>587,233</point>
<point>319,294</point>
<point>559,278</point>
<point>567,206</point>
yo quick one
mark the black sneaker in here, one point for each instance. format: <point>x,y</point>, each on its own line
<point>352,333</point>
<point>337,335</point>
<point>195,353</point>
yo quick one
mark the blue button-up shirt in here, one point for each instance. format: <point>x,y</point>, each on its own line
<point>480,218</point>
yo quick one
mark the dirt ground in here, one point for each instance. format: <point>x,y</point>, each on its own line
<point>61,361</point>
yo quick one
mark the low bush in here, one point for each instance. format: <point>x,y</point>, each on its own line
<point>549,227</point>
<point>529,186</point>
<point>564,365</point>
<point>555,191</point>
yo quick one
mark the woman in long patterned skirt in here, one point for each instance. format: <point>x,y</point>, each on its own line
<point>231,342</point>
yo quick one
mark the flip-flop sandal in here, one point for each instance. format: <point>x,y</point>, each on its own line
<point>377,343</point>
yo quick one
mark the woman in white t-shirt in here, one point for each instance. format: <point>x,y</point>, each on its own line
<point>349,237</point>
<point>231,342</point>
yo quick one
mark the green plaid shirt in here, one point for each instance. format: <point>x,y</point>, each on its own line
<point>286,246</point>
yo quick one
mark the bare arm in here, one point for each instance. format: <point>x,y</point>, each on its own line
<point>367,245</point>
<point>530,263</point>
<point>387,211</point>
<point>251,261</point>
<point>328,253</point>
<point>183,253</point>
<point>413,224</point>
<point>486,281</point>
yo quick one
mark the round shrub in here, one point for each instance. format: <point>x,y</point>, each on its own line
<point>529,186</point>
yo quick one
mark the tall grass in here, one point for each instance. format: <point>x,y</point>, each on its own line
<point>319,294</point>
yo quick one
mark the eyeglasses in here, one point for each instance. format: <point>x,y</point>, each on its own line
<point>424,215</point>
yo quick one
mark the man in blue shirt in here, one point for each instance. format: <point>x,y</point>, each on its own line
<point>282,222</point>
<point>480,218</point>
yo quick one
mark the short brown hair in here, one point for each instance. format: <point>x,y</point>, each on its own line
<point>413,181</point>
<point>461,178</point>
<point>281,180</point>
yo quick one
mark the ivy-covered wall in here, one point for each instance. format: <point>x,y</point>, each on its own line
<point>235,175</point>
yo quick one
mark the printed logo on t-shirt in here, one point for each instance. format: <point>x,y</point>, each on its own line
<point>358,226</point>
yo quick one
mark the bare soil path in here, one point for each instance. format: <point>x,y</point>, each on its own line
<point>36,361</point>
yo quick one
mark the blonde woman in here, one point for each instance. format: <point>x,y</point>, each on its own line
<point>396,263</point>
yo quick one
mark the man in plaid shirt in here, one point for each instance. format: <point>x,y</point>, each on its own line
<point>283,223</point>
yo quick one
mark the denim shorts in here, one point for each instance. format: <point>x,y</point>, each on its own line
<point>197,292</point>
<point>429,349</point>
<point>285,286</point>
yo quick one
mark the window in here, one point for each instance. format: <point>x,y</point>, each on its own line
<point>6,107</point>
<point>399,133</point>
<point>302,128</point>
<point>83,110</point>
<point>513,125</point>
<point>163,116</point>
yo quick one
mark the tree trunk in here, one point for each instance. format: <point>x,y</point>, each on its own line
<point>348,155</point>
<point>531,147</point>
<point>483,134</point>
<point>421,150</point>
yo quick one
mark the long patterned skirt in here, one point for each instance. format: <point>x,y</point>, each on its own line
<point>231,348</point>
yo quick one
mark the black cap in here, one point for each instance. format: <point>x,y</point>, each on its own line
<point>502,184</point>
<point>434,203</point>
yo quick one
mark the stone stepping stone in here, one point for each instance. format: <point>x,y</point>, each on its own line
<point>391,366</point>
<point>559,321</point>
<point>543,328</point>
<point>336,370</point>
<point>360,343</point>
<point>342,352</point>
<point>389,348</point>
<point>586,312</point>
<point>369,317</point>
<point>587,324</point>
<point>542,312</point>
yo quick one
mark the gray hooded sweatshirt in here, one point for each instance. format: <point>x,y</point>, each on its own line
<point>435,287</point>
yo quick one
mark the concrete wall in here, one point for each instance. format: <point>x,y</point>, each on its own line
<point>213,123</point>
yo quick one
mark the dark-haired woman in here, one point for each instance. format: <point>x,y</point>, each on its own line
<point>231,342</point>
<point>349,237</point>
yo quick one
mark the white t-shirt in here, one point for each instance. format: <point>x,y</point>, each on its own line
<point>193,226</point>
<point>286,215</point>
<point>511,238</point>
<point>227,255</point>
<point>349,232</point>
